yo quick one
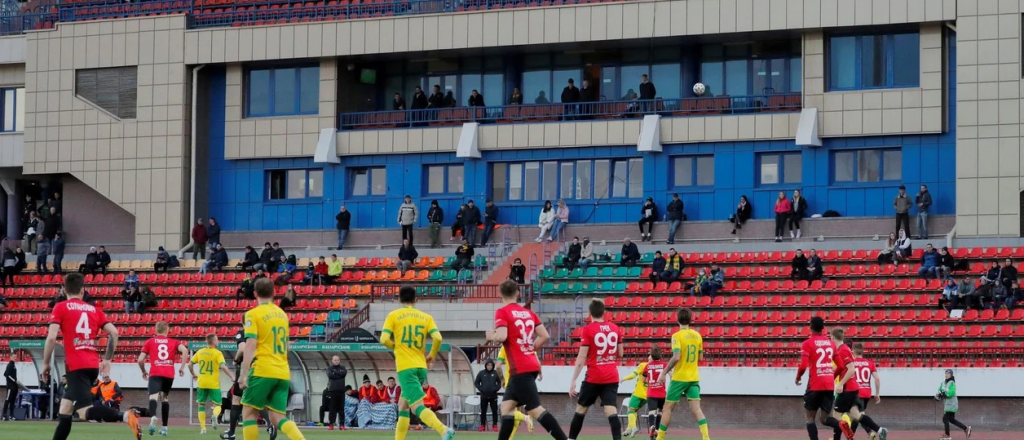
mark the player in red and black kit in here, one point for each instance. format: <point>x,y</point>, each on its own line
<point>600,351</point>
<point>847,400</point>
<point>161,352</point>
<point>816,357</point>
<point>655,391</point>
<point>864,373</point>
<point>79,325</point>
<point>515,328</point>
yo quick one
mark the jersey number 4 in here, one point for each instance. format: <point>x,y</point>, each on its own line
<point>413,336</point>
<point>83,327</point>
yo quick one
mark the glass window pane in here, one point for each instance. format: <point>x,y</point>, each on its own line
<point>629,81</point>
<point>873,61</point>
<point>736,82</point>
<point>769,169</point>
<point>793,168</point>
<point>761,80</point>
<point>296,184</point>
<point>515,181</point>
<point>668,80</point>
<point>868,162</point>
<point>494,89</point>
<point>706,171</point>
<point>316,183</point>
<point>378,181</point>
<point>435,180</point>
<point>636,178</point>
<point>309,89</point>
<point>608,84</point>
<point>531,181</point>
<point>906,69</point>
<point>499,186</point>
<point>583,179</point>
<point>470,82</point>
<point>560,79</point>
<point>682,170</point>
<point>360,182</point>
<point>550,191</point>
<point>712,74</point>
<point>602,180</point>
<point>844,166</point>
<point>8,112</point>
<point>259,92</point>
<point>19,110</point>
<point>796,74</point>
<point>537,87</point>
<point>455,179</point>
<point>619,179</point>
<point>276,185</point>
<point>567,191</point>
<point>284,91</point>
<point>892,165</point>
<point>842,55</point>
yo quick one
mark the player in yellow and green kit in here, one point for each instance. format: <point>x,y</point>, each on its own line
<point>687,351</point>
<point>638,399</point>
<point>266,351</point>
<point>211,363</point>
<point>519,415</point>
<point>405,331</point>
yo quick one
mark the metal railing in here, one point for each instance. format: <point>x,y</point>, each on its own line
<point>717,105</point>
<point>16,18</point>
<point>357,319</point>
<point>449,292</point>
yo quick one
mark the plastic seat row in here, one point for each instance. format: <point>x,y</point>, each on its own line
<point>853,332</point>
<point>773,301</point>
<point>835,317</point>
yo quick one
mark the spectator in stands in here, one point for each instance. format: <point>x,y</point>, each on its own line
<point>464,256</point>
<point>782,211</point>
<point>902,206</point>
<point>285,269</point>
<point>657,267</point>
<point>132,298</point>
<point>923,200</point>
<point>42,252</point>
<point>1008,275</point>
<point>148,299</point>
<point>3,300</point>
<point>398,103</point>
<point>542,98</point>
<point>713,282</point>
<point>545,221</point>
<point>517,272</point>
<point>163,259</point>
<point>246,288</point>
<point>950,298</point>
<point>435,217</point>
<point>199,240</point>
<point>744,210</point>
<point>333,268</point>
<point>946,263</point>
<point>407,215</point>
<point>213,232</point>
<point>516,98</point>
<point>929,263</point>
<point>983,296</point>
<point>572,257</point>
<point>218,259</point>
<point>798,266</point>
<point>648,215</point>
<point>629,255</point>
<point>814,267</point>
<point>587,95</point>
<point>673,266</point>
<point>309,276</point>
<point>28,208</point>
<point>647,94</point>
<point>419,99</point>
<point>343,219</point>
<point>249,260</point>
<point>31,231</point>
<point>490,220</point>
<point>449,100</point>
<point>289,298</point>
<point>675,217</point>
<point>276,256</point>
<point>992,275</point>
<point>799,205</point>
<point>888,252</point>
<point>586,253</point>
<point>476,99</point>
<point>104,259</point>
<point>457,225</point>
<point>570,96</point>
<point>367,391</point>
<point>904,248</point>
<point>561,219</point>
<point>470,220</point>
<point>266,257</point>
<point>58,252</point>
<point>1016,296</point>
<point>321,270</point>
<point>131,280</point>
<point>59,298</point>
<point>91,264</point>
<point>407,255</point>
<point>436,99</point>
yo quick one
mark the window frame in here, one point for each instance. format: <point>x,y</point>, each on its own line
<point>272,91</point>
<point>445,177</point>
<point>855,170</point>
<point>560,164</point>
<point>306,178</point>
<point>15,120</point>
<point>694,169</point>
<point>889,48</point>
<point>369,170</point>
<point>782,168</point>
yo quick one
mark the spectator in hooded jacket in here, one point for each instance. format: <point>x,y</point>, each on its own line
<point>950,298</point>
<point>657,267</point>
<point>435,217</point>
<point>407,215</point>
<point>470,220</point>
<point>490,220</point>
<point>1008,274</point>
<point>782,210</point>
<point>131,280</point>
<point>648,215</point>
<point>398,103</point>
<point>436,98</point>
<point>488,383</point>
<point>572,257</point>
<point>714,281</point>
<point>744,210</point>
<point>407,255</point>
<point>213,232</point>
<point>343,219</point>
<point>517,272</point>
<point>630,255</point>
<point>570,96</point>
<point>675,217</point>
<point>250,259</point>
<point>276,255</point>
<point>163,259</point>
<point>586,253</point>
<point>419,99</point>
<point>199,240</point>
<point>929,261</point>
<point>798,266</point>
<point>545,221</point>
<point>946,263</point>
<point>464,256</point>
<point>90,266</point>
<point>32,230</point>
<point>266,258</point>
<point>904,247</point>
<point>322,269</point>
<point>799,206</point>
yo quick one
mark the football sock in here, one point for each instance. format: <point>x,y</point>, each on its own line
<point>152,407</point>
<point>289,429</point>
<point>657,421</point>
<point>854,426</point>
<point>202,418</point>
<point>831,422</point>
<point>652,420</point>
<point>519,417</point>
<point>869,424</point>
<point>837,435</point>
<point>63,427</point>
<point>430,419</point>
<point>812,431</point>
<point>236,413</point>
<point>616,426</point>
<point>703,425</point>
<point>662,429</point>
<point>551,425</point>
<point>165,412</point>
<point>101,413</point>
<point>507,423</point>
<point>402,427</point>
<point>631,423</point>
<point>250,430</point>
<point>576,425</point>
<point>216,411</point>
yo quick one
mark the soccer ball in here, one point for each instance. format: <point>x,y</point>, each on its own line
<point>699,89</point>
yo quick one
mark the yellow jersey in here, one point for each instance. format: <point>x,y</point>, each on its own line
<point>268,325</point>
<point>504,365</point>
<point>690,346</point>
<point>209,360</point>
<point>409,327</point>
<point>640,390</point>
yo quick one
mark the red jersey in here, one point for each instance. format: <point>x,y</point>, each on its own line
<point>602,338</point>
<point>844,361</point>
<point>862,371</point>
<point>518,344</point>
<point>816,356</point>
<point>80,325</point>
<point>652,377</point>
<point>377,395</point>
<point>161,351</point>
<point>367,392</point>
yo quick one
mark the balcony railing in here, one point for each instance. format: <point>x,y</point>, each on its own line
<point>507,114</point>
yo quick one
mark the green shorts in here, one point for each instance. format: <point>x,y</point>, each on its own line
<point>211,394</point>
<point>265,392</point>
<point>676,390</point>
<point>636,402</point>
<point>411,381</point>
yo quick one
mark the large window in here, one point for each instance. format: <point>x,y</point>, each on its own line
<point>445,179</point>
<point>693,171</point>
<point>12,109</point>
<point>874,61</point>
<point>283,91</point>
<point>579,180</point>
<point>368,181</point>
<point>295,184</point>
<point>751,69</point>
<point>779,168</point>
<point>867,166</point>
<point>113,89</point>
<point>545,86</point>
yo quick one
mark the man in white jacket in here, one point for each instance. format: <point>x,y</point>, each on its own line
<point>407,214</point>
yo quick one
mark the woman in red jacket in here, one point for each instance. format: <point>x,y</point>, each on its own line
<point>782,210</point>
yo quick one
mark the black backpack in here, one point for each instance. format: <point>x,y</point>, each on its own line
<point>830,213</point>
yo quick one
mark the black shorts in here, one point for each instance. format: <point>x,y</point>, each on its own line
<point>158,384</point>
<point>815,400</point>
<point>522,389</point>
<point>846,400</point>
<point>236,390</point>
<point>608,392</point>
<point>862,403</point>
<point>79,388</point>
<point>655,404</point>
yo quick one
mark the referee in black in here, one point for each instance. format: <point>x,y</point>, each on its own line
<point>336,387</point>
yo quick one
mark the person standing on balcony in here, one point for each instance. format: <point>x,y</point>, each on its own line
<point>398,103</point>
<point>647,94</point>
<point>490,220</point>
<point>470,220</point>
<point>587,95</point>
<point>570,96</point>
<point>435,216</point>
<point>407,215</point>
<point>516,98</point>
<point>419,99</point>
<point>449,100</point>
<point>436,99</point>
<point>476,99</point>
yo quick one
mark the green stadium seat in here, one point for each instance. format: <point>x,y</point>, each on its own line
<point>436,275</point>
<point>334,317</point>
<point>616,258</point>
<point>647,258</point>
<point>450,275</point>
<point>621,272</point>
<point>635,272</point>
<point>481,260</point>
<point>547,273</point>
<point>592,286</point>
<point>318,330</point>
<point>561,288</point>
<point>576,273</point>
<point>607,272</point>
<point>547,288</point>
<point>578,287</point>
<point>559,260</point>
<point>606,286</point>
<point>449,260</point>
<point>591,272</point>
<point>562,273</point>
<point>619,286</point>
